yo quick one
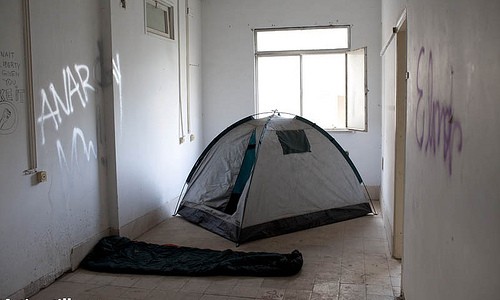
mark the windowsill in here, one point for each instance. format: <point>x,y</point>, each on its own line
<point>339,130</point>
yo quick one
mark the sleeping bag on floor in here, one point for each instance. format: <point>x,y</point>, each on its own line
<point>120,255</point>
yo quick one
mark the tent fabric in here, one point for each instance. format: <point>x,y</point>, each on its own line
<point>116,254</point>
<point>268,176</point>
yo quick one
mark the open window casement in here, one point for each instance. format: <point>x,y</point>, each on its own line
<point>357,91</point>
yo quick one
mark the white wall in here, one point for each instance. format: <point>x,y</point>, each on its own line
<point>451,241</point>
<point>228,63</point>
<point>41,223</point>
<point>114,161</point>
<point>146,117</point>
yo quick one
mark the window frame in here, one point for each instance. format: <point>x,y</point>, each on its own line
<point>167,7</point>
<point>353,127</point>
<point>301,53</point>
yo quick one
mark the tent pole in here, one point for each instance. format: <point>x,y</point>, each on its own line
<point>179,200</point>
<point>257,149</point>
<point>371,202</point>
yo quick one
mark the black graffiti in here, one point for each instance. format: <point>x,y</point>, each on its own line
<point>7,54</point>
<point>10,73</point>
<point>12,95</point>
<point>6,114</point>
<point>6,95</point>
<point>9,81</point>
<point>8,118</point>
<point>11,65</point>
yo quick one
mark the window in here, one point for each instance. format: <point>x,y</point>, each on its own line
<point>312,72</point>
<point>160,18</point>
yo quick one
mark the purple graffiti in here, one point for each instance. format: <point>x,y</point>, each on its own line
<point>435,126</point>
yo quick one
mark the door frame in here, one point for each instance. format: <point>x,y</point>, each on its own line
<point>400,136</point>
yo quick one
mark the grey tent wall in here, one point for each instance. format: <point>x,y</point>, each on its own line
<point>331,139</point>
<point>213,142</point>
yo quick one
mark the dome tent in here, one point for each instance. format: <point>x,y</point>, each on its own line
<point>263,177</point>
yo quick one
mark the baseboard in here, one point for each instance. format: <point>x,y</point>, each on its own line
<point>132,230</point>
<point>79,252</point>
<point>388,233</point>
<point>142,224</point>
<point>36,285</point>
<point>374,191</point>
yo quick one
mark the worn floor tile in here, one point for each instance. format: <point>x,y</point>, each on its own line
<point>292,294</point>
<point>352,292</point>
<point>381,290</point>
<point>271,294</point>
<point>346,260</point>
<point>326,288</point>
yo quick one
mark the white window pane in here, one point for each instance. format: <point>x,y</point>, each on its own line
<point>279,84</point>
<point>303,39</point>
<point>160,19</point>
<point>324,89</point>
<point>156,18</point>
<point>356,89</point>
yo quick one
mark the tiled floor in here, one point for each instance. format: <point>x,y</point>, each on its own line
<point>346,260</point>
